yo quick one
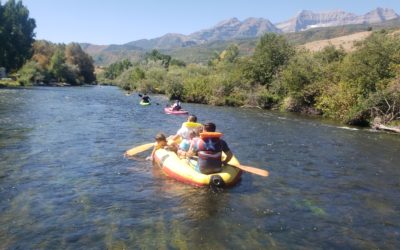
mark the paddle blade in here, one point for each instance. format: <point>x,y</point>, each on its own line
<point>254,170</point>
<point>139,149</point>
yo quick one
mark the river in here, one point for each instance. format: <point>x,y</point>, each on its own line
<point>64,183</point>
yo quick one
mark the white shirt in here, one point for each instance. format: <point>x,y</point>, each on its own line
<point>184,132</point>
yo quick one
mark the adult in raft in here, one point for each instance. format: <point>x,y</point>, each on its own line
<point>176,106</point>
<point>209,147</point>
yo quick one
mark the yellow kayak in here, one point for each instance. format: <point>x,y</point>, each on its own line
<point>184,170</point>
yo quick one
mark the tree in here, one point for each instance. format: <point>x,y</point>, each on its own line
<point>74,55</point>
<point>29,73</point>
<point>155,55</point>
<point>16,35</point>
<point>57,65</point>
<point>230,54</point>
<point>271,53</point>
<point>302,70</point>
<point>116,69</point>
<point>365,78</point>
<point>330,54</point>
<point>42,53</point>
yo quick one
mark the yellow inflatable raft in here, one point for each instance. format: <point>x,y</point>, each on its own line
<point>184,170</point>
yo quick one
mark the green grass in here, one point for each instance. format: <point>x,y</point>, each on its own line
<point>9,83</point>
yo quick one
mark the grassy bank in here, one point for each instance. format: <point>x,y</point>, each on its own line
<point>9,83</point>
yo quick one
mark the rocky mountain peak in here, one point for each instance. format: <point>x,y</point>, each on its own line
<point>234,28</point>
<point>379,15</point>
<point>229,22</point>
<point>307,19</point>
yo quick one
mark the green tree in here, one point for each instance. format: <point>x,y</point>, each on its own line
<point>16,35</point>
<point>155,55</point>
<point>58,66</point>
<point>330,54</point>
<point>137,74</point>
<point>370,65</point>
<point>116,69</point>
<point>365,76</point>
<point>230,54</point>
<point>29,73</point>
<point>83,62</point>
<point>271,53</point>
<point>176,62</point>
<point>301,71</point>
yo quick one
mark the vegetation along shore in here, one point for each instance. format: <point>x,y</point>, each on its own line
<point>358,86</point>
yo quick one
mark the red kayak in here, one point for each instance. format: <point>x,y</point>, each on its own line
<point>169,110</point>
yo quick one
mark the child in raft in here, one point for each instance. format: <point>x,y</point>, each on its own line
<point>183,134</point>
<point>161,142</point>
<point>185,144</point>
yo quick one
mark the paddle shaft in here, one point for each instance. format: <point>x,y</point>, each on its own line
<point>139,149</point>
<point>253,170</point>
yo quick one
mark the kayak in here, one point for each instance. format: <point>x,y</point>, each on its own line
<point>144,103</point>
<point>169,110</point>
<point>184,171</point>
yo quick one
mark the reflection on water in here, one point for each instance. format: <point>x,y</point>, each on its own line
<point>65,184</point>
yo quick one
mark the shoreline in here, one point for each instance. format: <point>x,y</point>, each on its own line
<point>16,85</point>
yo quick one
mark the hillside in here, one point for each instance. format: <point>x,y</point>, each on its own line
<point>346,42</point>
<point>200,52</point>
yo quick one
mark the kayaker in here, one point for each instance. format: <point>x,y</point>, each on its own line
<point>145,98</point>
<point>209,148</point>
<point>176,106</point>
<point>161,142</point>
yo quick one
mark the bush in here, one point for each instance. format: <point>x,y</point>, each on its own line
<point>197,89</point>
<point>30,73</point>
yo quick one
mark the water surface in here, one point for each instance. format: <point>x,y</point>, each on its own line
<point>65,185</point>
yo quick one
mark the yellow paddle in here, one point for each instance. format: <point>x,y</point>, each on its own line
<point>249,169</point>
<point>253,170</point>
<point>138,149</point>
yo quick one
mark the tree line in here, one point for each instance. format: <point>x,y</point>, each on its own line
<point>353,87</point>
<point>16,35</point>
<point>57,63</point>
<point>33,61</point>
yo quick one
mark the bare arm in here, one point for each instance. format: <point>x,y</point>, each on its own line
<point>227,152</point>
<point>229,156</point>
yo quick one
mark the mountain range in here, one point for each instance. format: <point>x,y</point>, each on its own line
<point>235,29</point>
<point>307,19</point>
<point>255,27</point>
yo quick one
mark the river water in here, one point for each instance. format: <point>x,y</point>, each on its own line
<point>64,183</point>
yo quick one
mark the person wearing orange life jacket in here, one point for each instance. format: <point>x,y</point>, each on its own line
<point>209,148</point>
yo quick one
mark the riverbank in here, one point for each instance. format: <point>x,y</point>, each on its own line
<point>5,82</point>
<point>394,129</point>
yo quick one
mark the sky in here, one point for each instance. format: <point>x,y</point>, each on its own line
<point>105,22</point>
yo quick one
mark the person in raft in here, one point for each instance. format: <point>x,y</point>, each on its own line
<point>184,147</point>
<point>176,106</point>
<point>145,98</point>
<point>161,142</point>
<point>209,148</point>
<point>184,132</point>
